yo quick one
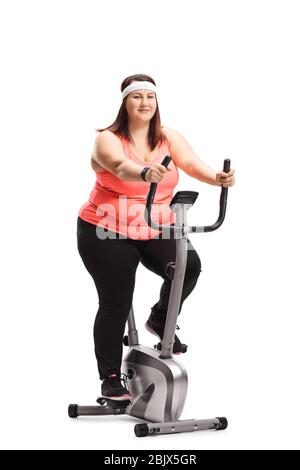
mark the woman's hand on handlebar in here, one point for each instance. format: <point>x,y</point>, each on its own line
<point>156,173</point>
<point>225,179</point>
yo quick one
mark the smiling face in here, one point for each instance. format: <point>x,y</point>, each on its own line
<point>141,105</point>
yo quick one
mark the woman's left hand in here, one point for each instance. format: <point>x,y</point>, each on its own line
<point>225,179</point>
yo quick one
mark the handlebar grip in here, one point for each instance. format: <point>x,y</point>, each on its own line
<point>226,165</point>
<point>152,191</point>
<point>166,161</point>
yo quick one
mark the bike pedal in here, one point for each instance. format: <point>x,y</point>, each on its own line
<point>115,404</point>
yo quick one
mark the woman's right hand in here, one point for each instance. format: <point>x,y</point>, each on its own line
<point>156,173</point>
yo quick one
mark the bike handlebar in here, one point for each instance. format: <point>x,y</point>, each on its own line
<point>206,228</point>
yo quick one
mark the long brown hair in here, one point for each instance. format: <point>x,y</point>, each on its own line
<point>120,125</point>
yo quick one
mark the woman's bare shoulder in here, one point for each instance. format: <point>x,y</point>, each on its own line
<point>107,137</point>
<point>180,149</point>
<point>107,148</point>
<point>169,133</point>
<point>108,143</point>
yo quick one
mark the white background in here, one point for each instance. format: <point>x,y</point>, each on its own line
<point>228,77</point>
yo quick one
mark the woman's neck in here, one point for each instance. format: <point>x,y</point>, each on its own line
<point>139,133</point>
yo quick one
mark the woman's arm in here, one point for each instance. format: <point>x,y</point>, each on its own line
<point>109,155</point>
<point>185,158</point>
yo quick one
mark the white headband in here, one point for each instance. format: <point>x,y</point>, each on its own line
<point>138,86</point>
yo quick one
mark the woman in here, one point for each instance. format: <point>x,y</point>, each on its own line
<point>113,236</point>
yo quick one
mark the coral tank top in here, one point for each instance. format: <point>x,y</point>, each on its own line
<point>119,205</point>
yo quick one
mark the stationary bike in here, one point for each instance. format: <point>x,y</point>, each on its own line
<point>157,382</point>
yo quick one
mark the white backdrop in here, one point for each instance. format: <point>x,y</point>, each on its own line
<point>228,76</point>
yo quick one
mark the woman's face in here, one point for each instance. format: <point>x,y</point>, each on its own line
<point>141,105</point>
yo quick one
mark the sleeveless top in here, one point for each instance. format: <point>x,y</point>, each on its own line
<point>118,206</point>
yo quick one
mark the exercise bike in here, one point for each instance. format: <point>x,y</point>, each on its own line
<point>157,382</point>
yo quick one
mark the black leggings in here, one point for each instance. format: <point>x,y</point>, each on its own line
<point>112,263</point>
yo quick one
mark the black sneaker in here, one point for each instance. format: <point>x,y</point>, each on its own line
<point>113,389</point>
<point>157,327</point>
